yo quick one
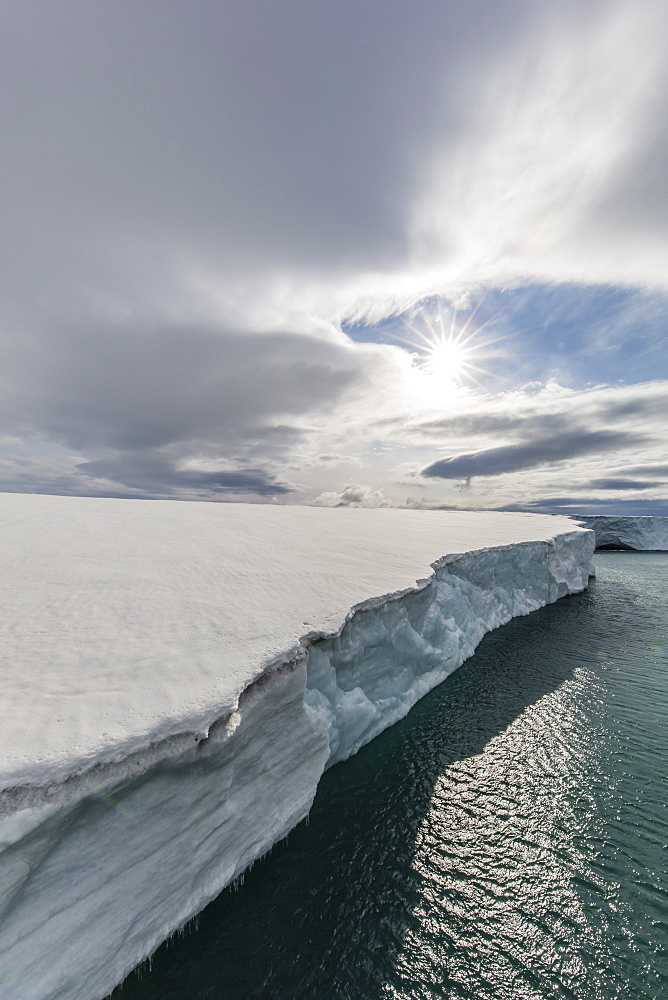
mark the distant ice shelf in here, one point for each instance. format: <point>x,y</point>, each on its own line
<point>177,676</point>
<point>641,533</point>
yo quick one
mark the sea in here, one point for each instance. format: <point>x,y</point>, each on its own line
<point>508,840</point>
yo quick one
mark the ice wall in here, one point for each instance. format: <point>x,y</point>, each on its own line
<point>92,884</point>
<point>388,656</point>
<point>644,534</point>
<point>97,870</point>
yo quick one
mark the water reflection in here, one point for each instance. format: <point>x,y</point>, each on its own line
<point>470,851</point>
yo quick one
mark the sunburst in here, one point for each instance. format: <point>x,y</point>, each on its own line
<point>447,350</point>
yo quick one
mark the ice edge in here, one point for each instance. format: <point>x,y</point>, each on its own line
<point>22,787</point>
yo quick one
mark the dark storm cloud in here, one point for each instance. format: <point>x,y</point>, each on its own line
<point>531,454</point>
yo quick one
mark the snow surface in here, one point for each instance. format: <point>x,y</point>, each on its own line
<point>643,533</point>
<point>178,676</point>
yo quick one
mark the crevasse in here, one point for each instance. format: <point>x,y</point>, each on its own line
<point>98,873</point>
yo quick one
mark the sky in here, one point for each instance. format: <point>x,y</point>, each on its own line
<point>358,253</point>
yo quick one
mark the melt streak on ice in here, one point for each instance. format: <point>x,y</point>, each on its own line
<point>642,533</point>
<point>177,676</point>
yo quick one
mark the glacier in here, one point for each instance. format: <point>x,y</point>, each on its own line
<point>179,676</point>
<point>642,533</point>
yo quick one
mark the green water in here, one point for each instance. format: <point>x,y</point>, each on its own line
<point>508,840</point>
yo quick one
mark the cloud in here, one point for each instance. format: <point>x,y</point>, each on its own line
<point>258,146</point>
<point>531,454</point>
<point>150,474</point>
<point>189,406</point>
<point>648,470</point>
<point>267,161</point>
<point>352,496</point>
<point>625,484</point>
<point>590,505</point>
<point>549,427</point>
<point>556,171</point>
<point>200,195</point>
<point>128,386</point>
<point>549,410</point>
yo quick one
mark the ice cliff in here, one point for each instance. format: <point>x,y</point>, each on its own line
<point>644,534</point>
<point>178,676</point>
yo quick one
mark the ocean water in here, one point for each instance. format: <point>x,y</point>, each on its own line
<point>507,841</point>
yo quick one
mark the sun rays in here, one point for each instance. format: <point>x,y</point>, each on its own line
<point>447,350</point>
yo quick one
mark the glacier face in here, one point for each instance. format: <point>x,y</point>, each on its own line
<point>98,869</point>
<point>642,533</point>
<point>93,885</point>
<point>388,656</point>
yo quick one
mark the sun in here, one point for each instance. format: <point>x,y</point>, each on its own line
<point>446,360</point>
<point>446,351</point>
